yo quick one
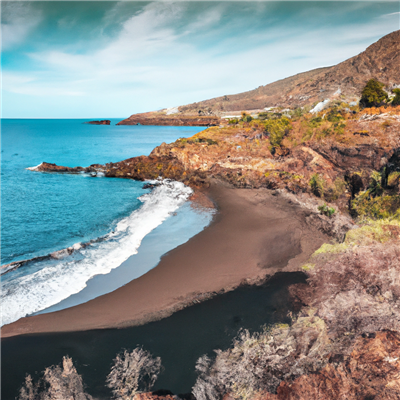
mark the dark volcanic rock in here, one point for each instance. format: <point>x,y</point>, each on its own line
<point>103,122</point>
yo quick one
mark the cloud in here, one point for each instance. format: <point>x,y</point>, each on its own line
<point>18,20</point>
<point>165,54</point>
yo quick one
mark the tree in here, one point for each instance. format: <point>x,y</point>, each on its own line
<point>396,100</point>
<point>373,94</point>
<point>133,371</point>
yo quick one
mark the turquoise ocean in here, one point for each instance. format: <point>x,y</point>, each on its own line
<point>128,228</point>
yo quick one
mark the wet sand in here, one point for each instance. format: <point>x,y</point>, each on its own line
<point>254,235</point>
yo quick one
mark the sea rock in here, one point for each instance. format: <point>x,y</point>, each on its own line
<point>103,122</point>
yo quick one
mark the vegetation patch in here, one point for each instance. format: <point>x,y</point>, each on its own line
<point>373,94</point>
<point>317,184</point>
<point>326,210</point>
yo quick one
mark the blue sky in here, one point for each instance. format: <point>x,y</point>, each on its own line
<point>112,59</point>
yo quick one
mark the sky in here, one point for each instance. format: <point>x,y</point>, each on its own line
<point>110,59</point>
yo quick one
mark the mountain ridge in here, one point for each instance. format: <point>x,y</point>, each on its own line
<point>380,60</point>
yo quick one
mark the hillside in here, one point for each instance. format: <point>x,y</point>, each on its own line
<point>346,80</point>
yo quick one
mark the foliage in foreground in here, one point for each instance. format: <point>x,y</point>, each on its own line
<point>260,361</point>
<point>132,372</point>
<point>57,383</point>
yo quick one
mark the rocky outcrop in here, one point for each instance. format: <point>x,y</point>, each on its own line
<point>103,122</point>
<point>49,167</point>
<point>161,118</point>
<point>242,156</point>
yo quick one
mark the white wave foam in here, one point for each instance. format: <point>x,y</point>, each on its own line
<point>53,283</point>
<point>34,168</point>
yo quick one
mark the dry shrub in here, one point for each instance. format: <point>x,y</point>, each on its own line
<point>260,361</point>
<point>132,372</point>
<point>57,383</point>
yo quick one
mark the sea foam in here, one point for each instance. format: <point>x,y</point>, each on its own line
<point>34,168</point>
<point>55,282</point>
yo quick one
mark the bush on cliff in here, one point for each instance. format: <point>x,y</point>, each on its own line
<point>373,94</point>
<point>277,129</point>
<point>317,185</point>
<point>366,206</point>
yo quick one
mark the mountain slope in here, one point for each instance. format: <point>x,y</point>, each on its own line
<point>381,61</point>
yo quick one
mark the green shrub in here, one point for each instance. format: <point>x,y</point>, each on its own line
<point>365,206</point>
<point>325,210</point>
<point>373,94</point>
<point>317,185</point>
<point>375,184</point>
<point>277,129</point>
<point>396,100</point>
<point>334,115</point>
<point>246,117</point>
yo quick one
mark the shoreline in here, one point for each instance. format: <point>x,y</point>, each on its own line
<point>254,235</point>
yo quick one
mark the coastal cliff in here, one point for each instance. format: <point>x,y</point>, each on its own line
<point>330,154</point>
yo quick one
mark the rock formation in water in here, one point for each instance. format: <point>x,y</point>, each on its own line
<point>331,154</point>
<point>103,122</point>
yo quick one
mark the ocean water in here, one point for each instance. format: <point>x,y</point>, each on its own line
<point>44,213</point>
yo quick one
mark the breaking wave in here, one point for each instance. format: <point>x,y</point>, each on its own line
<point>54,281</point>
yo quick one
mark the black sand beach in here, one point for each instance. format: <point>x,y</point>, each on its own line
<point>179,339</point>
<point>254,235</point>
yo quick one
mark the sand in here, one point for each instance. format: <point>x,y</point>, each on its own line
<point>254,235</point>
